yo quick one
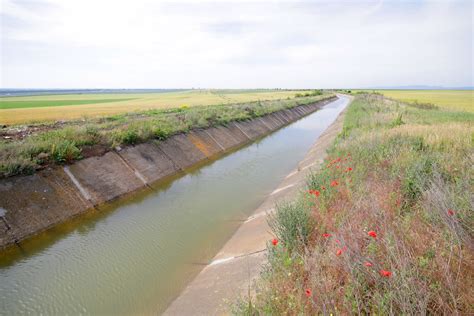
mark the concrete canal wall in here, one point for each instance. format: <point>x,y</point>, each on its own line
<point>32,204</point>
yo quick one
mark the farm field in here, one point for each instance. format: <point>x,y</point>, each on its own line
<point>32,109</point>
<point>451,99</point>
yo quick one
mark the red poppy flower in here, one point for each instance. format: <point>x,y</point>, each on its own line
<point>323,188</point>
<point>308,292</point>
<point>314,192</point>
<point>368,264</point>
<point>338,241</point>
<point>349,169</point>
<point>371,233</point>
<point>385,273</point>
<point>334,183</point>
<point>326,235</point>
<point>339,252</point>
<point>275,241</point>
<point>338,159</point>
<point>337,167</point>
<point>450,212</point>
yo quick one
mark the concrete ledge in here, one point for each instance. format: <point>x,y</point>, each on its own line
<point>205,143</point>
<point>224,137</point>
<point>182,151</point>
<point>105,178</point>
<point>253,129</point>
<point>276,120</point>
<point>245,268</point>
<point>281,117</point>
<point>37,202</point>
<point>238,134</point>
<point>270,123</point>
<point>150,161</point>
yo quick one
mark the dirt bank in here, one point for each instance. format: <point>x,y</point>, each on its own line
<point>233,270</point>
<point>31,204</point>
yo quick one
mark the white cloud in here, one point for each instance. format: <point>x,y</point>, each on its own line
<point>151,44</point>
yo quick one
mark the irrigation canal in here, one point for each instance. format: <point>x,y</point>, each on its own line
<point>135,255</point>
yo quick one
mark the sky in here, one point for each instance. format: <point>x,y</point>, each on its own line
<point>235,44</point>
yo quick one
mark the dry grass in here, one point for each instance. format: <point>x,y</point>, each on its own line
<point>410,183</point>
<point>462,100</point>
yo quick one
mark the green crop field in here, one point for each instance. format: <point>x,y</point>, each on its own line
<point>450,99</point>
<point>48,103</point>
<point>31,109</point>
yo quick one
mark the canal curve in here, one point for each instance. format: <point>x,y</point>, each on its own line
<point>134,256</point>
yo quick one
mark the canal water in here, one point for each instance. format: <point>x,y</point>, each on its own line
<point>136,255</point>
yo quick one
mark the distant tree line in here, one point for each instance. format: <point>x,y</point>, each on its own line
<point>309,94</point>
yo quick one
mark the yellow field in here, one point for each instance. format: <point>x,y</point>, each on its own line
<point>140,102</point>
<point>451,99</point>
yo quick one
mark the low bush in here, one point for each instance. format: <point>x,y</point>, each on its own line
<point>65,151</point>
<point>292,224</point>
<point>309,94</point>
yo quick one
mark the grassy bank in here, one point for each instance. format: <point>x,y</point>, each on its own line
<point>386,225</point>
<point>76,140</point>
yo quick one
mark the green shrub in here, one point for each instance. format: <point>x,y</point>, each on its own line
<point>309,94</point>
<point>17,166</point>
<point>424,106</point>
<point>65,151</point>
<point>418,174</point>
<point>397,121</point>
<point>160,133</point>
<point>129,137</point>
<point>292,223</point>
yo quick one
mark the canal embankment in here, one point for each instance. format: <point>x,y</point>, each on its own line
<point>34,203</point>
<point>232,272</point>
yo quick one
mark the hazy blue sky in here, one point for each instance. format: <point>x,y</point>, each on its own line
<point>240,44</point>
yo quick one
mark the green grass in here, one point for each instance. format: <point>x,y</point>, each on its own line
<point>50,103</point>
<point>411,182</point>
<point>66,144</point>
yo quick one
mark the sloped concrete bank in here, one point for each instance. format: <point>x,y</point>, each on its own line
<point>32,204</point>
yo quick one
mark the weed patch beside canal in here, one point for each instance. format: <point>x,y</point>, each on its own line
<point>386,226</point>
